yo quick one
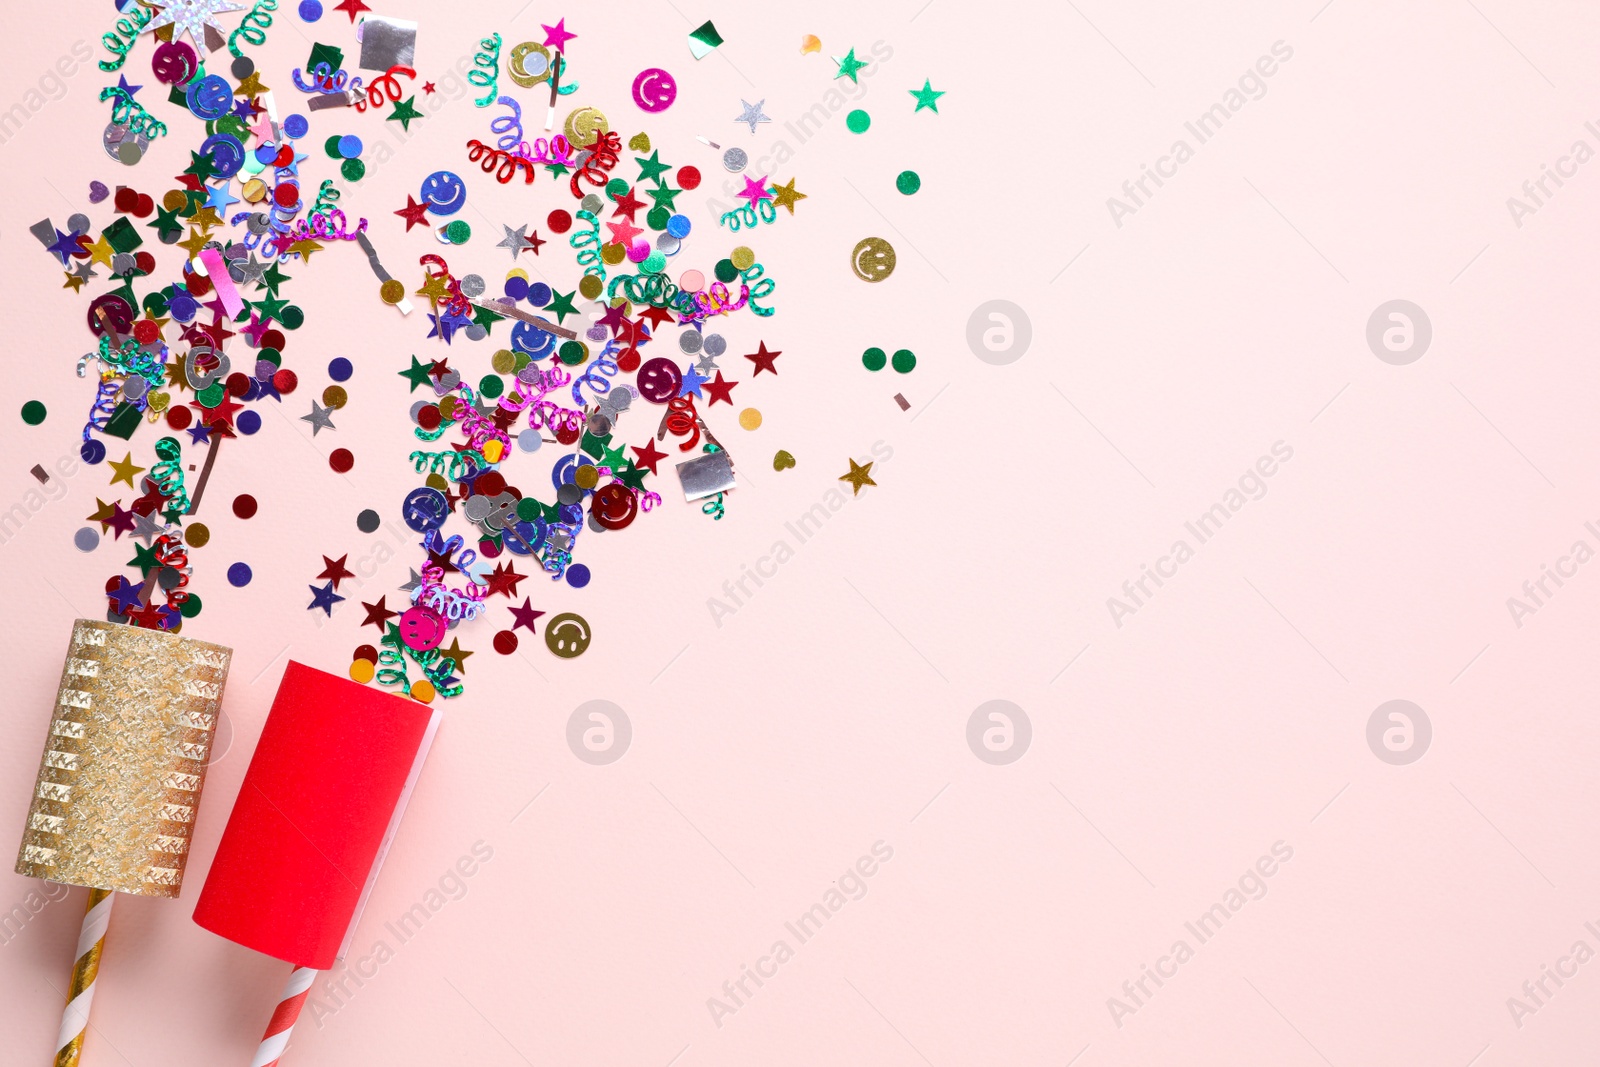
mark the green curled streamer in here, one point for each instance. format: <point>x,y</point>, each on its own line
<point>588,241</point>
<point>764,287</point>
<point>168,474</point>
<point>254,27</point>
<point>746,216</point>
<point>126,111</point>
<point>487,60</point>
<point>129,28</point>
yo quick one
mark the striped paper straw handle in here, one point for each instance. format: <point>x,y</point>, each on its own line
<point>85,968</point>
<point>270,1051</point>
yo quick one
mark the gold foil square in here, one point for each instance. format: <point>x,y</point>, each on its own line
<point>124,760</point>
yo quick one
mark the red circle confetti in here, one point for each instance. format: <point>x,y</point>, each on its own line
<point>505,642</point>
<point>341,460</point>
<point>688,177</point>
<point>144,262</point>
<point>489,483</point>
<point>428,418</point>
<point>488,549</point>
<point>559,221</point>
<point>179,417</point>
<point>366,652</point>
<point>143,205</point>
<point>126,199</point>
<point>238,384</point>
<point>273,339</point>
<point>197,285</point>
<point>145,331</point>
<point>244,505</point>
<point>285,380</point>
<point>628,362</point>
<point>287,194</point>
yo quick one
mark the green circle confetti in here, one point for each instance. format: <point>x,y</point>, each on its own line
<point>616,187</point>
<point>908,182</point>
<point>904,361</point>
<point>654,263</point>
<point>725,271</point>
<point>858,121</point>
<point>657,218</point>
<point>353,170</point>
<point>190,607</point>
<point>571,353</point>
<point>873,359</point>
<point>33,413</point>
<point>458,232</point>
<point>491,386</point>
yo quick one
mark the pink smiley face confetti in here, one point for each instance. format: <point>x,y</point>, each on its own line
<point>654,90</point>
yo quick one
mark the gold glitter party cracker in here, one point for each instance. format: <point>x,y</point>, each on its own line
<point>124,760</point>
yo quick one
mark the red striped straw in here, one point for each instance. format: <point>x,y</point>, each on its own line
<point>270,1051</point>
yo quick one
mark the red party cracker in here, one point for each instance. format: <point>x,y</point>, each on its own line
<point>315,813</point>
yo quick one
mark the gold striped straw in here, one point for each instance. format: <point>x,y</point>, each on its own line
<point>91,941</point>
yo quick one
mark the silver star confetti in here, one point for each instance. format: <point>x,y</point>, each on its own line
<point>752,115</point>
<point>192,17</point>
<point>318,418</point>
<point>516,239</point>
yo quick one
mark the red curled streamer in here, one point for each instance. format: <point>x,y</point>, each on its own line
<point>606,151</point>
<point>682,419</point>
<point>385,88</point>
<point>490,158</point>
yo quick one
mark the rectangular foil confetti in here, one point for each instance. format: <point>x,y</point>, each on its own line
<point>706,475</point>
<point>387,42</point>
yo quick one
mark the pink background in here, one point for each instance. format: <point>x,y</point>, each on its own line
<point>772,751</point>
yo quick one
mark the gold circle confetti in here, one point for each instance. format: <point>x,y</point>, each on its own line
<point>504,361</point>
<point>586,477</point>
<point>174,200</point>
<point>335,397</point>
<point>361,670</point>
<point>612,254</point>
<point>254,190</point>
<point>421,690</point>
<point>743,257</point>
<point>393,291</point>
<point>591,286</point>
<point>196,535</point>
<point>750,419</point>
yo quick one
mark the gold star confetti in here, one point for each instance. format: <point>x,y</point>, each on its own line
<point>125,471</point>
<point>786,195</point>
<point>858,477</point>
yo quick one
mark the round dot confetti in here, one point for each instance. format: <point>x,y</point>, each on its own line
<point>874,359</point>
<point>362,670</point>
<point>310,11</point>
<point>340,369</point>
<point>908,182</point>
<point>368,521</point>
<point>422,690</point>
<point>86,539</point>
<point>341,460</point>
<point>858,121</point>
<point>577,576</point>
<point>196,534</point>
<point>904,360</point>
<point>33,413</point>
<point>239,575</point>
<point>244,506</point>
<point>248,422</point>
<point>505,642</point>
<point>366,652</point>
<point>750,419</point>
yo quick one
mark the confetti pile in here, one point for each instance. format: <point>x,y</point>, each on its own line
<point>195,349</point>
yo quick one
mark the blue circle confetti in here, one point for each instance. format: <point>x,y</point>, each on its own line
<point>340,369</point>
<point>248,422</point>
<point>539,294</point>
<point>92,452</point>
<point>239,575</point>
<point>516,287</point>
<point>296,127</point>
<point>310,10</point>
<point>577,576</point>
<point>349,146</point>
